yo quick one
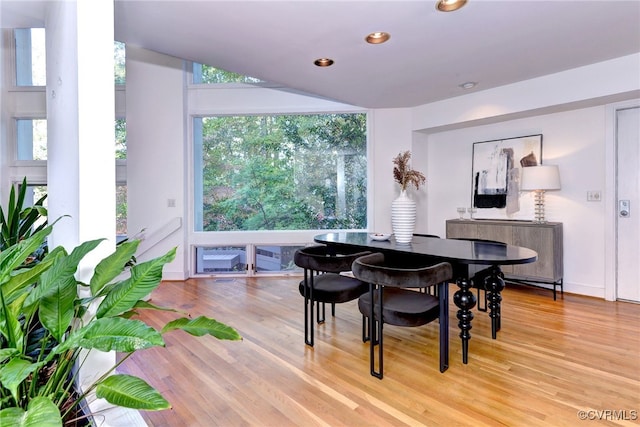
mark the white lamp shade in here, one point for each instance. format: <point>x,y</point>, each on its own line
<point>543,177</point>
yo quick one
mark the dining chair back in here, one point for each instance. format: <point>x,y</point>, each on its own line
<point>393,298</point>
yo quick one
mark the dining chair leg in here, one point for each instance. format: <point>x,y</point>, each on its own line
<point>375,333</point>
<point>481,307</point>
<point>320,318</point>
<point>443,296</point>
<point>308,309</point>
<point>365,328</point>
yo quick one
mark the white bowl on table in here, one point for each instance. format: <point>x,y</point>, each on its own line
<point>379,236</point>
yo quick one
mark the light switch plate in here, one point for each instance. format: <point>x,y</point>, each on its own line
<point>594,196</point>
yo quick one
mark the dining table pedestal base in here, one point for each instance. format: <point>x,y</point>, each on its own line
<point>465,300</point>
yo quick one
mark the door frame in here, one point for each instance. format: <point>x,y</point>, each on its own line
<point>611,197</point>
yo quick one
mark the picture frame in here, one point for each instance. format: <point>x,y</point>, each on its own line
<point>495,176</point>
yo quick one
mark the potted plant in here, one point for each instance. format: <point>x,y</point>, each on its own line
<point>19,222</point>
<point>37,385</point>
<point>403,208</point>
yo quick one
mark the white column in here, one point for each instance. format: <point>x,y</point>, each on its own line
<point>80,117</point>
<point>81,144</point>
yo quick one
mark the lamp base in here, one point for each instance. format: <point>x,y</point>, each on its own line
<point>539,207</point>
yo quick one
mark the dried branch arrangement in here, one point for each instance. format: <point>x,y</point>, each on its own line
<point>404,175</point>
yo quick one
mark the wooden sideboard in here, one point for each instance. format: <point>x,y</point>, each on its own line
<point>544,238</point>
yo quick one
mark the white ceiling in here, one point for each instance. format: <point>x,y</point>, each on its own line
<point>430,53</point>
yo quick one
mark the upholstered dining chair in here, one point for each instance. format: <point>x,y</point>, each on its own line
<point>391,300</point>
<point>324,283</point>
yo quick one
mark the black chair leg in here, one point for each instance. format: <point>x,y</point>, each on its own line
<point>365,328</point>
<point>375,332</point>
<point>308,319</point>
<point>480,306</point>
<point>443,295</point>
<point>321,319</point>
<point>308,309</point>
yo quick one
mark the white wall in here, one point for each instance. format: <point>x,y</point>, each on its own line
<point>575,141</point>
<point>156,160</point>
<point>389,134</point>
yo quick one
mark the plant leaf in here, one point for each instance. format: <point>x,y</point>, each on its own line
<point>6,353</point>
<point>59,290</point>
<point>10,325</point>
<point>14,373</point>
<point>56,308</point>
<point>145,277</point>
<point>145,304</point>
<point>22,279</point>
<point>13,256</point>
<point>131,392</point>
<point>201,326</point>
<point>113,333</point>
<point>41,412</point>
<point>110,267</point>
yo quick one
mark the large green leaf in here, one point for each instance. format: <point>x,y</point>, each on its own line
<point>145,277</point>
<point>201,326</point>
<point>21,280</point>
<point>58,289</point>
<point>14,373</point>
<point>56,308</point>
<point>110,267</point>
<point>10,323</point>
<point>14,255</point>
<point>36,294</point>
<point>131,392</point>
<point>113,333</point>
<point>41,412</point>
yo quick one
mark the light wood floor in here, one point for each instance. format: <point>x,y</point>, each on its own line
<point>551,360</point>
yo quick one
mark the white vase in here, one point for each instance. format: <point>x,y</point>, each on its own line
<point>403,217</point>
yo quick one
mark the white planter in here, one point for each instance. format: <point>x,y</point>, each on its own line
<point>403,218</point>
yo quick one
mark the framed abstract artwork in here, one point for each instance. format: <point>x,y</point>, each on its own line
<point>496,172</point>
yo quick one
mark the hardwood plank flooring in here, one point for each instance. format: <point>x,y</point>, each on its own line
<point>551,360</point>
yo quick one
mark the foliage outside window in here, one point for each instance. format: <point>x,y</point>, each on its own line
<point>283,172</point>
<point>121,139</point>
<point>206,74</point>
<point>119,62</point>
<point>121,210</point>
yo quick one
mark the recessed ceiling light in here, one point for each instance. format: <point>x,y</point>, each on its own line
<point>468,85</point>
<point>449,5</point>
<point>377,37</point>
<point>323,62</point>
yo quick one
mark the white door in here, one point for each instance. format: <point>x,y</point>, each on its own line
<point>628,209</point>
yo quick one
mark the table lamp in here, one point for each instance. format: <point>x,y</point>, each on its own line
<point>540,179</point>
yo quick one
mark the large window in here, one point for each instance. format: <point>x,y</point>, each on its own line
<point>282,172</point>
